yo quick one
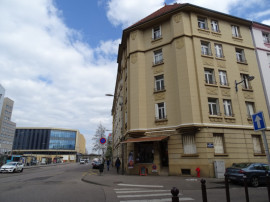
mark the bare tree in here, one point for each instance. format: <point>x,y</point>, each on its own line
<point>100,133</point>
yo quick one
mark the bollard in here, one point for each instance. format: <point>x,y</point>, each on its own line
<point>227,188</point>
<point>101,167</point>
<point>246,188</point>
<point>268,183</point>
<point>204,195</point>
<point>175,193</point>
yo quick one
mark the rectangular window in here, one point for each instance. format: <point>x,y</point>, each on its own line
<point>236,31</point>
<point>159,83</point>
<point>227,107</point>
<point>213,106</point>
<point>158,57</point>
<point>240,55</point>
<point>209,76</point>
<point>189,144</point>
<point>219,143</point>
<point>219,51</point>
<point>205,48</point>
<point>257,144</point>
<point>245,84</point>
<point>266,37</point>
<point>223,78</point>
<point>160,111</point>
<point>214,26</point>
<point>202,23</point>
<point>250,108</point>
<point>156,32</point>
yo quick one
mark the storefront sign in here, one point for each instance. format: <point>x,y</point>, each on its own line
<point>154,168</point>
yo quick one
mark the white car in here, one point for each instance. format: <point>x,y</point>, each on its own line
<point>82,161</point>
<point>12,167</point>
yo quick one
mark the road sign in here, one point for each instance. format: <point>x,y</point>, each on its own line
<point>258,121</point>
<point>102,140</point>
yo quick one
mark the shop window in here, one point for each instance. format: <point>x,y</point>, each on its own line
<point>144,152</point>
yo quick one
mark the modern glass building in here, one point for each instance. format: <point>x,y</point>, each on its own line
<point>54,144</point>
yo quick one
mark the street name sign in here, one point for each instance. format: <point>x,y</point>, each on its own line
<point>258,121</point>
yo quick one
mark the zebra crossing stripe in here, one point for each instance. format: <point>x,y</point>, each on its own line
<point>141,191</point>
<point>159,200</point>
<point>139,185</point>
<point>143,195</point>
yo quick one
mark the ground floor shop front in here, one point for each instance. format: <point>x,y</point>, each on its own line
<point>194,151</point>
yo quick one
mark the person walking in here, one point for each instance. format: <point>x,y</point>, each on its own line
<point>117,164</point>
<point>108,164</point>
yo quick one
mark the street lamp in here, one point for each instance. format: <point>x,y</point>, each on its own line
<point>249,78</point>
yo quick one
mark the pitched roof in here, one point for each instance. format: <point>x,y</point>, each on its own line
<point>163,10</point>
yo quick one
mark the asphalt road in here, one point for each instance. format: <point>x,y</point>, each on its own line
<point>52,183</point>
<point>63,182</point>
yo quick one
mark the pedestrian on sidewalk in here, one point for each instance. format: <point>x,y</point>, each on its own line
<point>117,164</point>
<point>108,164</point>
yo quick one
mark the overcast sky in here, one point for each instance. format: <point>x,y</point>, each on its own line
<point>58,57</point>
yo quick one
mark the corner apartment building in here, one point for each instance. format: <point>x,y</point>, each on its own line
<point>184,93</point>
<point>7,127</point>
<point>49,145</point>
<point>261,37</point>
<point>2,95</point>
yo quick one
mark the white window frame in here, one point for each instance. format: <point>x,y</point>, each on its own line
<point>223,78</point>
<point>236,31</point>
<point>160,111</point>
<point>266,37</point>
<point>202,23</point>
<point>250,108</point>
<point>240,55</point>
<point>218,143</point>
<point>159,83</point>
<point>189,144</point>
<point>245,84</point>
<point>206,48</point>
<point>219,51</point>
<point>156,32</point>
<point>158,57</point>
<point>213,106</point>
<point>257,144</point>
<point>227,107</point>
<point>209,76</point>
<point>214,26</point>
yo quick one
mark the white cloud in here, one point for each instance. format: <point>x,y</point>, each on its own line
<point>54,78</point>
<point>267,22</point>
<point>125,13</point>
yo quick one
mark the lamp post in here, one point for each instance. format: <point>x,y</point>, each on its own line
<point>249,78</point>
<point>120,138</point>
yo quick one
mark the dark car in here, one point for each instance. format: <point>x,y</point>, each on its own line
<point>96,164</point>
<point>255,173</point>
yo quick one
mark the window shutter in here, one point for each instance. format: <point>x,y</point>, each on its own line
<point>218,144</point>
<point>256,144</point>
<point>156,107</point>
<point>189,144</point>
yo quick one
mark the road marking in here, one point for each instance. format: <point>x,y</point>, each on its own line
<point>144,195</point>
<point>159,200</point>
<point>138,185</point>
<point>141,191</point>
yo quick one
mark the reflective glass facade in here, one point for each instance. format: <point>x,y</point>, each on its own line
<point>44,139</point>
<point>62,140</point>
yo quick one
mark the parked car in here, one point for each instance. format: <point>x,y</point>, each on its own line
<point>82,161</point>
<point>255,173</point>
<point>12,167</point>
<point>96,164</point>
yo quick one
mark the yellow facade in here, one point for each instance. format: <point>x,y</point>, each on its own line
<point>186,92</point>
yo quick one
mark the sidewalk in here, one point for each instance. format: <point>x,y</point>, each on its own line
<point>111,178</point>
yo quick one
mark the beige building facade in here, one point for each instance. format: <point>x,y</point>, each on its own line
<point>178,102</point>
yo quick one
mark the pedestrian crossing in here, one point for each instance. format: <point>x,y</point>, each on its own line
<point>145,193</point>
